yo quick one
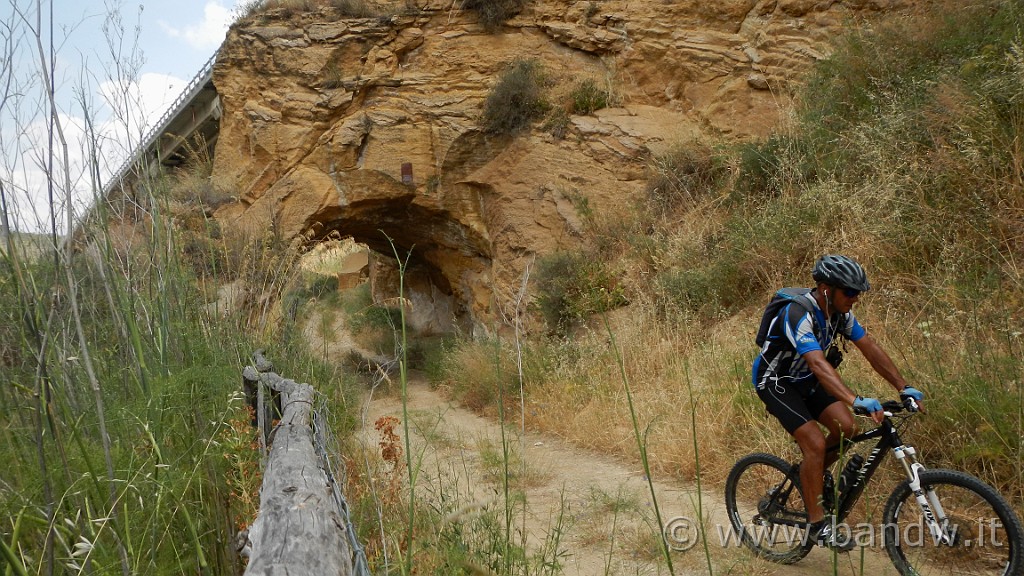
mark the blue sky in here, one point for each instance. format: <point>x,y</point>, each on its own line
<point>176,36</point>
<point>163,43</point>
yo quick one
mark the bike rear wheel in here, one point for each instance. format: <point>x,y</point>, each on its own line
<point>982,535</point>
<point>766,508</point>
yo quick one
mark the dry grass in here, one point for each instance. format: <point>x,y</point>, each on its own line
<point>291,8</point>
<point>521,475</point>
<point>579,397</point>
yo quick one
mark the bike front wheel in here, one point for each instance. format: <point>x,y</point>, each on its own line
<point>978,532</point>
<point>766,508</point>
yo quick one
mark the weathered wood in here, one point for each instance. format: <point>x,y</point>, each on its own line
<point>261,362</point>
<point>299,530</point>
<point>263,413</point>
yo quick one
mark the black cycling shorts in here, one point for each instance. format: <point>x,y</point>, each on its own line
<point>796,404</point>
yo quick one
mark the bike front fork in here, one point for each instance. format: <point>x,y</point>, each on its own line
<point>927,499</point>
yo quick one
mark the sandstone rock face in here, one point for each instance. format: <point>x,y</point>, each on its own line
<point>321,113</point>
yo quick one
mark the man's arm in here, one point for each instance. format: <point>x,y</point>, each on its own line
<point>828,377</point>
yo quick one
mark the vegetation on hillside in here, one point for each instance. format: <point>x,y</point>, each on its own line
<point>906,153</point>
<point>494,13</point>
<point>516,100</point>
<point>290,8</point>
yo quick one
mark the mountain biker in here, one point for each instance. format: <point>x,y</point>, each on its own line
<point>800,386</point>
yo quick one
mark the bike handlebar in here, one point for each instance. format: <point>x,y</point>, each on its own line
<point>892,406</point>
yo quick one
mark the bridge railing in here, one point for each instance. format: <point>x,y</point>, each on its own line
<point>303,525</point>
<point>186,96</point>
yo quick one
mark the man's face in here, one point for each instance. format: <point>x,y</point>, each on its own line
<point>843,299</point>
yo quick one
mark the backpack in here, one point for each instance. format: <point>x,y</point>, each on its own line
<point>781,298</point>
<point>796,296</point>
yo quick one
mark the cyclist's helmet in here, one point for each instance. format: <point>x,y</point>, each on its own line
<point>840,271</point>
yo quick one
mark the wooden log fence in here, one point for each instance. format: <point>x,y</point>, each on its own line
<point>302,527</point>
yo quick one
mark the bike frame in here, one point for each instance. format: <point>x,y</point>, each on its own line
<point>889,440</point>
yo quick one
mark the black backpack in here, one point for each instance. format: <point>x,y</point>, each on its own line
<point>781,298</point>
<point>796,296</point>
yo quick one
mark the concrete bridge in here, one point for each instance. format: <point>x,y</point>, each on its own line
<point>190,125</point>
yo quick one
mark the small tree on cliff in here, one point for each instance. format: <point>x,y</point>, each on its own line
<point>516,99</point>
<point>494,13</point>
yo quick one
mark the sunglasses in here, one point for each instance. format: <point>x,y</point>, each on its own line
<point>850,292</point>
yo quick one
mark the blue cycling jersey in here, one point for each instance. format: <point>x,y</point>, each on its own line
<point>794,333</point>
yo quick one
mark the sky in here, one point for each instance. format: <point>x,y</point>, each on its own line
<point>140,54</point>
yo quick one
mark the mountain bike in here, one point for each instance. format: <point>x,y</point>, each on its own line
<point>934,522</point>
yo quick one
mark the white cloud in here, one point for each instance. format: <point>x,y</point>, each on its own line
<point>147,100</point>
<point>31,179</point>
<point>208,33</point>
<point>28,179</point>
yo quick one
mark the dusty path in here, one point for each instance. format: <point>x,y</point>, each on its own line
<point>599,507</point>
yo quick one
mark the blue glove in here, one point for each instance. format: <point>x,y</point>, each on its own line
<point>911,392</point>
<point>864,405</point>
<point>911,397</point>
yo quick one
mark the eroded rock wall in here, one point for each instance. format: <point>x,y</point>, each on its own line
<point>322,112</point>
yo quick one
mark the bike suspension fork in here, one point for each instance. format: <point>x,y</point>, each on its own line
<point>927,499</point>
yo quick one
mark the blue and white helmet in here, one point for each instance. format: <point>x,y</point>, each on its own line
<point>840,271</point>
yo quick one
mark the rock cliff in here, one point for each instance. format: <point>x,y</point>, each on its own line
<point>370,127</point>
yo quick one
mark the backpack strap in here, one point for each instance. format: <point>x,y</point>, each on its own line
<point>798,296</point>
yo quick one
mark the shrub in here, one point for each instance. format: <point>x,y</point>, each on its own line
<point>494,13</point>
<point>573,286</point>
<point>290,8</point>
<point>353,8</point>
<point>433,183</point>
<point>706,291</point>
<point>588,97</point>
<point>683,175</point>
<point>333,76</point>
<point>321,286</point>
<point>249,8</point>
<point>557,123</point>
<point>516,99</point>
<point>778,164</point>
<point>363,314</point>
<point>203,255</point>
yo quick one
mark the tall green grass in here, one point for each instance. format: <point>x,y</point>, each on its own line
<point>140,402</point>
<point>115,411</point>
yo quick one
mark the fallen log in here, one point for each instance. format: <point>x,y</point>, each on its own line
<point>299,529</point>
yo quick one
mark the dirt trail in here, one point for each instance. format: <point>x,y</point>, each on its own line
<point>593,495</point>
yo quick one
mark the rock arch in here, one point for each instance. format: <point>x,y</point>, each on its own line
<point>446,259</point>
